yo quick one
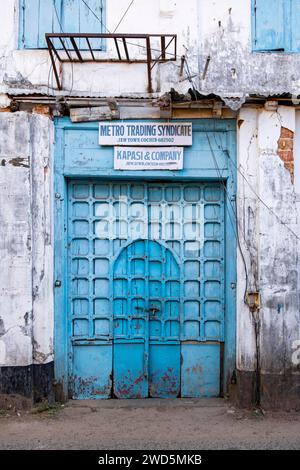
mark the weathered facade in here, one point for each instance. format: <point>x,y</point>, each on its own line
<point>236,77</point>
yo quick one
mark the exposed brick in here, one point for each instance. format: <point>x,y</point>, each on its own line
<point>285,144</point>
<point>286,133</point>
<point>41,109</point>
<point>286,155</point>
<point>286,150</point>
<point>289,165</point>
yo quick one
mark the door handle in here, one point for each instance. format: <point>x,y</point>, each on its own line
<point>153,310</point>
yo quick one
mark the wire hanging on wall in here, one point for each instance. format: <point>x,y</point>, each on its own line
<point>234,210</point>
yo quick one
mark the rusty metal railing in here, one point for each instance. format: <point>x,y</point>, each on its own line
<point>82,48</point>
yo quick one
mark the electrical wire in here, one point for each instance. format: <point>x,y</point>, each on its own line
<point>105,27</point>
<point>96,16</point>
<point>129,6</point>
<point>128,42</point>
<point>177,57</point>
<point>61,28</point>
<point>255,315</point>
<point>235,211</point>
<point>260,199</point>
<point>235,225</point>
<point>189,76</point>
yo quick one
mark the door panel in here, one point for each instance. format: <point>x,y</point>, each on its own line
<point>130,370</point>
<point>145,288</point>
<point>200,370</point>
<point>91,376</point>
<point>164,370</point>
<point>142,310</point>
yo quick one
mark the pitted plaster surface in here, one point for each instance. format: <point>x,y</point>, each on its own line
<point>270,249</point>
<point>218,29</point>
<point>26,317</point>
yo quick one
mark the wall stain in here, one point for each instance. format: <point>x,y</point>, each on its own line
<point>17,81</point>
<point>2,327</point>
<point>20,161</point>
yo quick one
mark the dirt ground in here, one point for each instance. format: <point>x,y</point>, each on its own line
<point>183,424</point>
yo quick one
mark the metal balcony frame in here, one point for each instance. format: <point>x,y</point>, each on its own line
<point>74,53</point>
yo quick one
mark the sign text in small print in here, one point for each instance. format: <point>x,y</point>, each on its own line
<point>148,158</point>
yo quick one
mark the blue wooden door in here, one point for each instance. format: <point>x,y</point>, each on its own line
<point>146,289</point>
<point>146,327</point>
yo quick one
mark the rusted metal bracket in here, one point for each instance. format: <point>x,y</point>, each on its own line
<point>68,47</point>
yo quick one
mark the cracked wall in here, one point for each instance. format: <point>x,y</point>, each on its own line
<point>268,208</point>
<point>225,35</point>
<point>218,29</point>
<point>26,279</point>
<point>28,71</point>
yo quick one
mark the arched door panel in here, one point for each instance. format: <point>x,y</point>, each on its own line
<point>146,314</point>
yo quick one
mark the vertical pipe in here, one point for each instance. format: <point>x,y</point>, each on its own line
<point>149,59</point>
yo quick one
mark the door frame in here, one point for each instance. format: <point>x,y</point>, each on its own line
<point>63,173</point>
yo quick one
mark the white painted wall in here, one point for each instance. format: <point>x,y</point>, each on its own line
<point>220,29</point>
<point>42,132</point>
<point>270,249</point>
<point>297,187</point>
<point>31,69</point>
<point>26,250</point>
<point>16,242</point>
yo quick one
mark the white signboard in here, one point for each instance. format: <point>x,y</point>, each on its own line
<point>145,133</point>
<point>146,158</point>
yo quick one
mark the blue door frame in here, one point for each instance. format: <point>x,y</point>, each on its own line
<point>91,161</point>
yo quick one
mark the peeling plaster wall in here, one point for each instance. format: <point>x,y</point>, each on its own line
<point>42,138</point>
<point>26,279</point>
<point>297,178</point>
<point>220,29</point>
<point>225,35</point>
<point>235,71</point>
<point>271,251</point>
<point>30,71</point>
<point>15,241</point>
